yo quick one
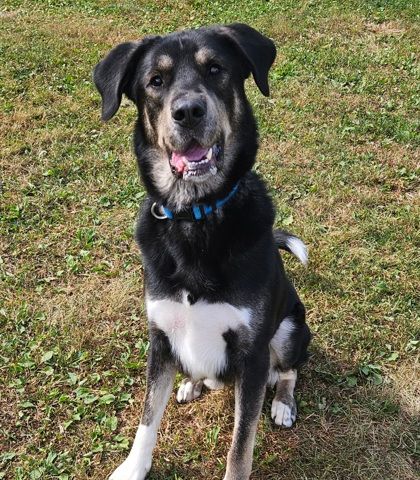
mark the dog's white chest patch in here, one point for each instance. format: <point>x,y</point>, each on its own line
<point>195,331</point>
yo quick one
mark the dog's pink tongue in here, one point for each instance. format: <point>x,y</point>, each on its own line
<point>194,154</point>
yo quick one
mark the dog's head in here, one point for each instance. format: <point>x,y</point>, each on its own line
<point>195,132</point>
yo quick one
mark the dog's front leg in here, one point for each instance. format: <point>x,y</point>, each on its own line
<point>250,389</point>
<point>160,379</point>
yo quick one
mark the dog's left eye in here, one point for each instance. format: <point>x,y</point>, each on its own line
<point>215,69</point>
<point>156,81</point>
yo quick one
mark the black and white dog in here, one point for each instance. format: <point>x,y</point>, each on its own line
<point>219,304</point>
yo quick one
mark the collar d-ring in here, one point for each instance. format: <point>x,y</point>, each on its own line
<point>160,215</point>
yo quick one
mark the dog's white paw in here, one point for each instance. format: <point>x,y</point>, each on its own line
<point>282,414</point>
<point>189,391</point>
<point>131,469</point>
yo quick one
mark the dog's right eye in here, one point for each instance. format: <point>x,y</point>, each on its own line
<point>215,69</point>
<point>156,81</point>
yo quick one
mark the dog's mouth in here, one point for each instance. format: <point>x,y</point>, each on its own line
<point>195,161</point>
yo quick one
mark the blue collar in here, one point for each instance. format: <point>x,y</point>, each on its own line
<point>198,211</point>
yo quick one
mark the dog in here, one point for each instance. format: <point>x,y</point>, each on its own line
<point>220,307</point>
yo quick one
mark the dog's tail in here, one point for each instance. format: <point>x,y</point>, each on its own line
<point>291,243</point>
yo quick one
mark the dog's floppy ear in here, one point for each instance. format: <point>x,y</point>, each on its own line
<point>258,50</point>
<point>113,75</point>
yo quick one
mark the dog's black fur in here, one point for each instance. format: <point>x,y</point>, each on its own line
<point>229,257</point>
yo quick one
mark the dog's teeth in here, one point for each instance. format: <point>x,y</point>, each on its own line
<point>209,153</point>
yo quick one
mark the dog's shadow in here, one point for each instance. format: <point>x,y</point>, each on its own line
<point>345,430</point>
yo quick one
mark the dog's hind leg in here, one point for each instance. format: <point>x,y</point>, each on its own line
<point>213,384</point>
<point>283,408</point>
<point>288,351</point>
<point>160,378</point>
<point>189,390</point>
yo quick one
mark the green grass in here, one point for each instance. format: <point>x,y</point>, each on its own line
<point>339,151</point>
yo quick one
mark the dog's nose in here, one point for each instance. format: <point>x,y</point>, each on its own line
<point>188,112</point>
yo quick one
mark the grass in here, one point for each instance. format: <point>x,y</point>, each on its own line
<point>340,153</point>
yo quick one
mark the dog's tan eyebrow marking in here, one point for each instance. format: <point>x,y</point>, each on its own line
<point>203,55</point>
<point>165,62</point>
